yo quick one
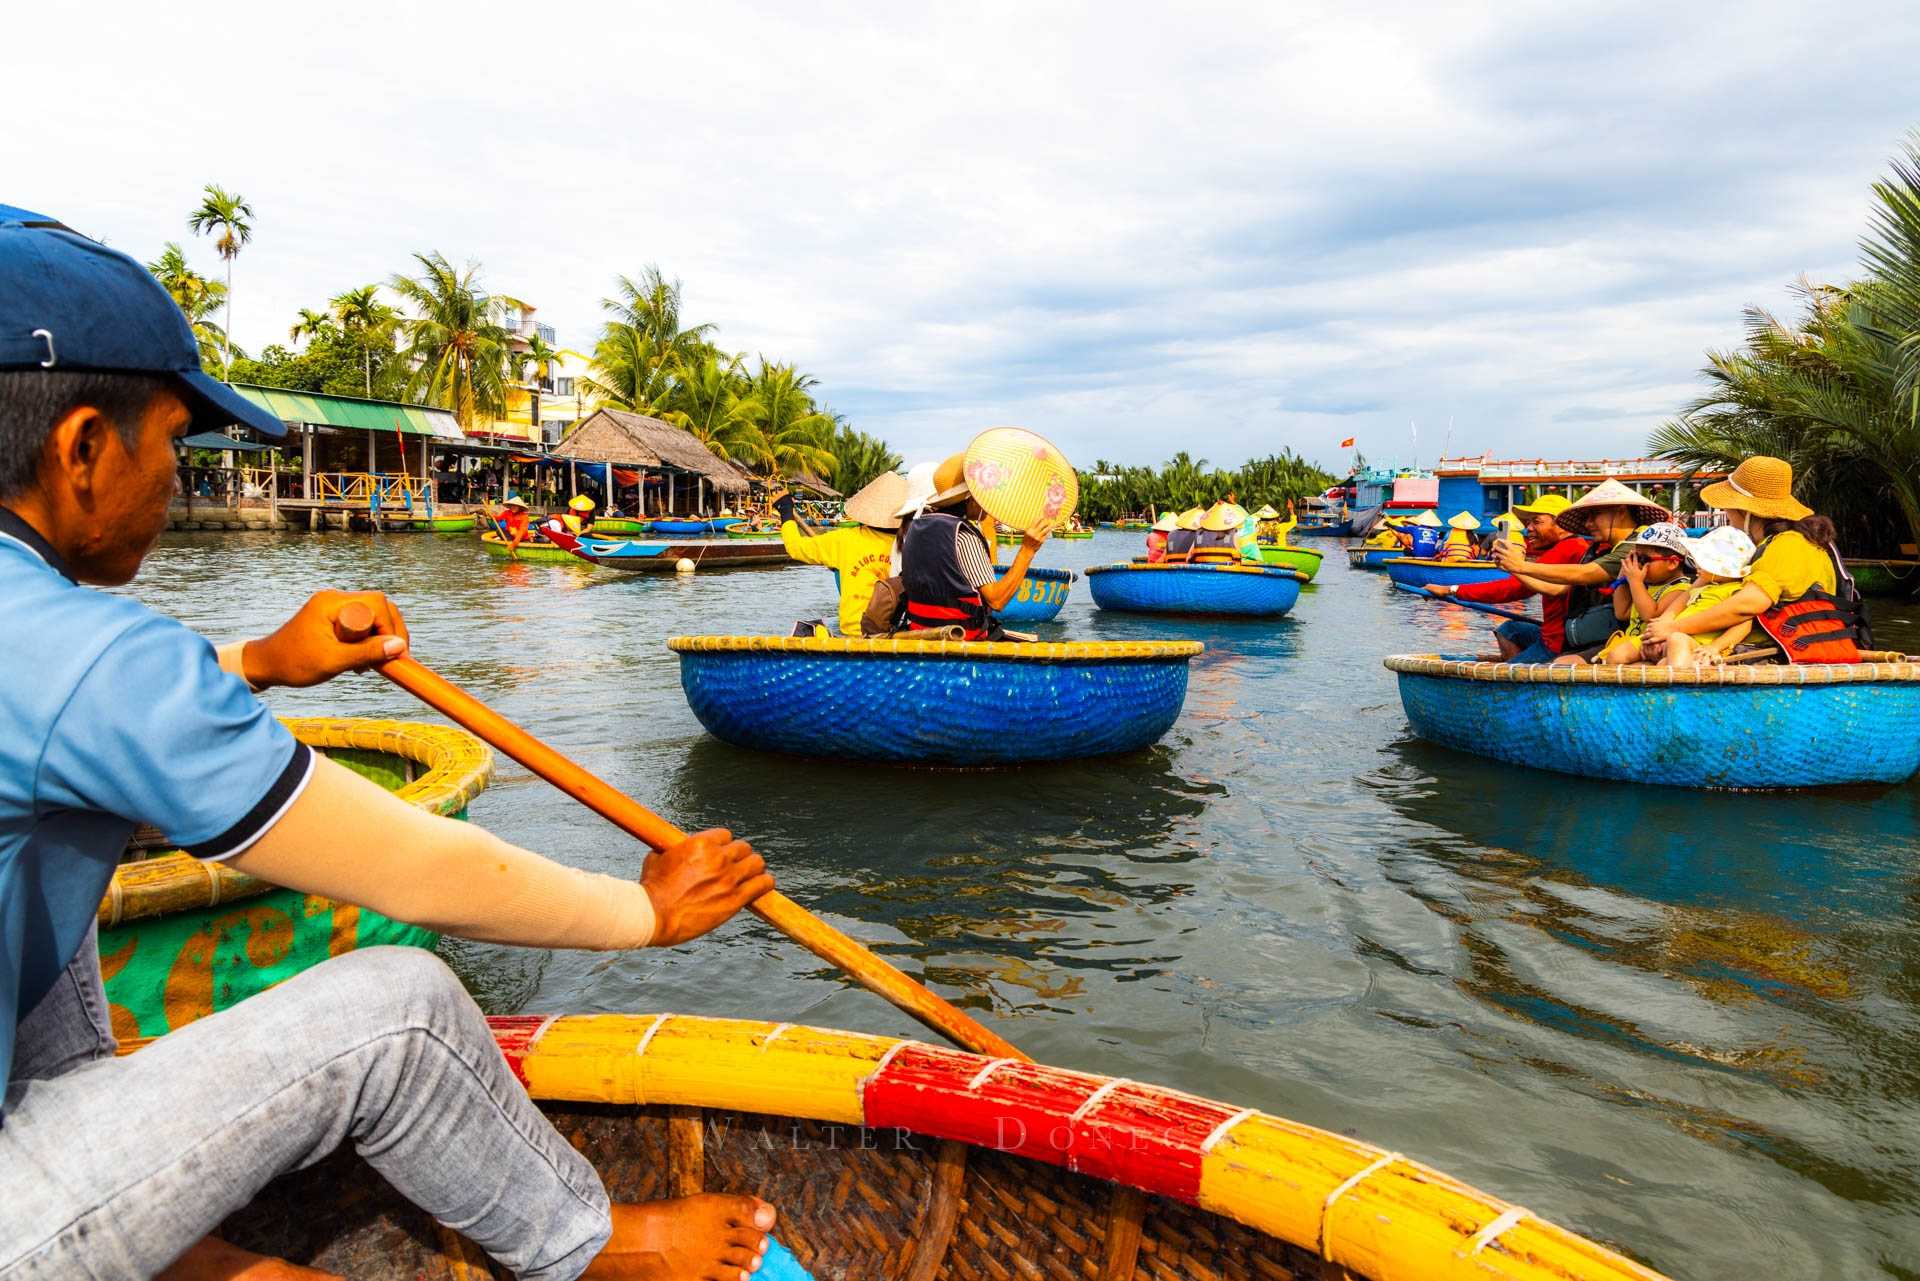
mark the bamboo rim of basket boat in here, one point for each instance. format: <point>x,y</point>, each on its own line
<point>1222,567</point>
<point>1879,667</point>
<point>1373,1212</point>
<point>1443,564</point>
<point>455,768</point>
<point>910,647</point>
<point>1314,552</point>
<point>1040,573</point>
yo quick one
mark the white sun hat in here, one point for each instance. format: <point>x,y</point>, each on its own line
<point>1723,551</point>
<point>919,489</point>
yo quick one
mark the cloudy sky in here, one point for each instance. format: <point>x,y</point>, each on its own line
<point>1134,228</point>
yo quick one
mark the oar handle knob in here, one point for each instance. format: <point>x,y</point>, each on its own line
<point>354,622</point>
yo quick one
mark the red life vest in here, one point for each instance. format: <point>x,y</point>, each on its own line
<point>1820,627</point>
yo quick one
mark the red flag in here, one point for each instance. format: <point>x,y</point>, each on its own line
<point>1347,443</point>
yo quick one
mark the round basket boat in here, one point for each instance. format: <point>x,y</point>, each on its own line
<point>1041,595</point>
<point>618,526</point>
<point>530,548</point>
<point>183,938</point>
<point>934,702</point>
<point>686,528</point>
<point>1414,571</point>
<point>1238,591</point>
<point>1723,726</point>
<point>1372,557</point>
<point>409,524</point>
<point>892,1160</point>
<point>1304,559</point>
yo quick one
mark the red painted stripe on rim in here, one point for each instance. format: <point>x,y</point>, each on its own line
<point>514,1034</point>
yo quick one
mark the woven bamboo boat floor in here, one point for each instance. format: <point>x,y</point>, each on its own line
<point>854,1203</point>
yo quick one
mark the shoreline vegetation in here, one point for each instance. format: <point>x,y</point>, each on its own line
<point>1836,390</point>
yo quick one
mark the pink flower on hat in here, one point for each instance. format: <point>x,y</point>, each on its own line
<point>1056,498</point>
<point>984,473</point>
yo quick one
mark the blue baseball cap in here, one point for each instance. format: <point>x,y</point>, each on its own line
<point>67,302</point>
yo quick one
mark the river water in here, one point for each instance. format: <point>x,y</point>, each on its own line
<point>1683,1023</point>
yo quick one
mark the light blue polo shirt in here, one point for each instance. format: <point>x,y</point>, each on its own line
<point>110,715</point>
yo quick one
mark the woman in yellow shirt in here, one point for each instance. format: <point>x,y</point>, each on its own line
<point>861,559</point>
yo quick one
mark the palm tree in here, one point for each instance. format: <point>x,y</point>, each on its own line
<point>196,296</point>
<point>456,339</point>
<point>789,434</point>
<point>629,372</point>
<point>370,322</point>
<point>858,458</point>
<point>309,324</point>
<point>707,400</point>
<point>652,306</point>
<point>224,215</point>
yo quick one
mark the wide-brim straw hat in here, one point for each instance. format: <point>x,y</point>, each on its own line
<point>1761,485</point>
<point>1167,523</point>
<point>1266,512</point>
<point>877,505</point>
<point>1425,519</point>
<point>1224,516</point>
<point>514,500</point>
<point>919,492</point>
<point>1190,519</point>
<point>1545,505</point>
<point>1464,520</point>
<point>1724,552</point>
<point>1578,517</point>
<point>949,481</point>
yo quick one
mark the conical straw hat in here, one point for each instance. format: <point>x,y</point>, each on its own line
<point>1464,520</point>
<point>1426,518</point>
<point>1578,518</point>
<point>1167,523</point>
<point>1190,518</point>
<point>1021,479</point>
<point>1266,512</point>
<point>877,505</point>
<point>1224,516</point>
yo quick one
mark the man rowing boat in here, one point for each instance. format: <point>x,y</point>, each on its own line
<point>117,716</point>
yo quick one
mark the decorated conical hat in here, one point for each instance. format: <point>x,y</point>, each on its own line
<point>1224,516</point>
<point>1021,479</point>
<point>1464,520</point>
<point>1427,519</point>
<point>1266,512</point>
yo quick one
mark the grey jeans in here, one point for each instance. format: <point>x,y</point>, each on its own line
<point>111,1167</point>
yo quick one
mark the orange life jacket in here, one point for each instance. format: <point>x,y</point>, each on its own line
<point>1820,627</point>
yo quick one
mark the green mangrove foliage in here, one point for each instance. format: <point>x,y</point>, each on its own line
<point>1108,492</point>
<point>1836,390</point>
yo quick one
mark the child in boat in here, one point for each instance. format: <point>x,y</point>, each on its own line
<point>861,559</point>
<point>1157,537</point>
<point>1720,559</point>
<point>1653,584</point>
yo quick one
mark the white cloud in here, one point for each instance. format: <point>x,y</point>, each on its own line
<point>1133,227</point>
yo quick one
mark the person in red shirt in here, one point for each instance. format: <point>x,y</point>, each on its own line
<point>1521,641</point>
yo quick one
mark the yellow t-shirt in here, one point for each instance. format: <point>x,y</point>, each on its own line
<point>861,559</point>
<point>1636,625</point>
<point>1790,567</point>
<point>1705,597</point>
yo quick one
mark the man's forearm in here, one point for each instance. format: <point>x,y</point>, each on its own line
<point>1581,575</point>
<point>348,839</point>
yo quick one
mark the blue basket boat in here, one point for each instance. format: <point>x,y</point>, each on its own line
<point>1769,726</point>
<point>1373,557</point>
<point>691,528</point>
<point>934,702</point>
<point>1415,571</point>
<point>1040,597</point>
<point>1241,591</point>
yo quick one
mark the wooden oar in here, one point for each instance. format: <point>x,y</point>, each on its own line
<point>1495,610</point>
<point>355,622</point>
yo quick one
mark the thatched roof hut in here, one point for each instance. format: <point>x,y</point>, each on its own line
<point>635,440</point>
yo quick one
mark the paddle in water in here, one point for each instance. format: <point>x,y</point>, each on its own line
<point>355,623</point>
<point>1495,610</point>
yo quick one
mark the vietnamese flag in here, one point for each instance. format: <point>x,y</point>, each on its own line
<point>1347,443</point>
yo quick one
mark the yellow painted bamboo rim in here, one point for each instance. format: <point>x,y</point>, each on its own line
<point>455,768</point>
<point>909,647</point>
<point>1214,566</point>
<point>1372,1212</point>
<point>1883,666</point>
<point>1314,552</point>
<point>1477,563</point>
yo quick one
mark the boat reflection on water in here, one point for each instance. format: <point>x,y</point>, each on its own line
<point>900,849</point>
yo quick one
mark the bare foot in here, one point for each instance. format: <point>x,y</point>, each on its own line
<point>211,1259</point>
<point>709,1237</point>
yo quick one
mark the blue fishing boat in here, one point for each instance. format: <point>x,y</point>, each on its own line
<point>1240,591</point>
<point>934,702</point>
<point>1748,726</point>
<point>1372,557</point>
<point>1414,571</point>
<point>1040,597</point>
